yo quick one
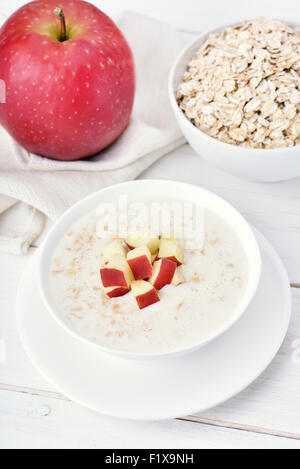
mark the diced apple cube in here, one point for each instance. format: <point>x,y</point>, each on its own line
<point>153,245</point>
<point>117,273</point>
<point>163,273</point>
<point>145,294</point>
<point>144,239</point>
<point>113,249</point>
<point>178,278</point>
<point>140,262</point>
<point>170,249</point>
<point>115,292</point>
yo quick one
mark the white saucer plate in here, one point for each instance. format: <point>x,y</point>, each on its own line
<point>159,390</point>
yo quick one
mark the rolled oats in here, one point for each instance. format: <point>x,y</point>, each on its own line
<point>243,85</point>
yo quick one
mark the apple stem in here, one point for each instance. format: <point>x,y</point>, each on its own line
<point>60,13</point>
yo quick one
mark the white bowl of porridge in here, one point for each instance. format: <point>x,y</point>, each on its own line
<point>158,296</point>
<point>235,92</point>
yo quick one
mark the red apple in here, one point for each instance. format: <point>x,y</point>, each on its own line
<point>140,262</point>
<point>145,294</point>
<point>68,94</point>
<point>116,274</point>
<point>170,249</point>
<point>163,273</point>
<point>115,292</point>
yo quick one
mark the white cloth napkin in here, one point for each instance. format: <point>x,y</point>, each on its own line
<point>32,188</point>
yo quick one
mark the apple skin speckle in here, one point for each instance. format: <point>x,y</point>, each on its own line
<point>54,90</point>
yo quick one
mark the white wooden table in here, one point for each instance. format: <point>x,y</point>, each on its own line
<point>267,414</point>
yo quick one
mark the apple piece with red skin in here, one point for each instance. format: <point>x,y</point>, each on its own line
<point>67,96</point>
<point>140,263</point>
<point>113,249</point>
<point>163,273</point>
<point>145,294</point>
<point>143,239</point>
<point>170,249</point>
<point>116,292</point>
<point>117,273</point>
<point>178,278</point>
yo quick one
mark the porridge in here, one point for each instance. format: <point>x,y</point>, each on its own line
<point>243,85</point>
<point>145,306</point>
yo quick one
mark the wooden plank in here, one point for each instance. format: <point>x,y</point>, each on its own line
<point>270,404</point>
<point>32,421</point>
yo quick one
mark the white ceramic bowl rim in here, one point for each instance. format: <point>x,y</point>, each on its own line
<point>268,152</point>
<point>90,203</point>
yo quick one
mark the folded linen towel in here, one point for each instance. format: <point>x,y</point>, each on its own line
<point>32,188</point>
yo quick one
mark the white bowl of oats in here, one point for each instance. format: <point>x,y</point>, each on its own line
<point>235,92</point>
